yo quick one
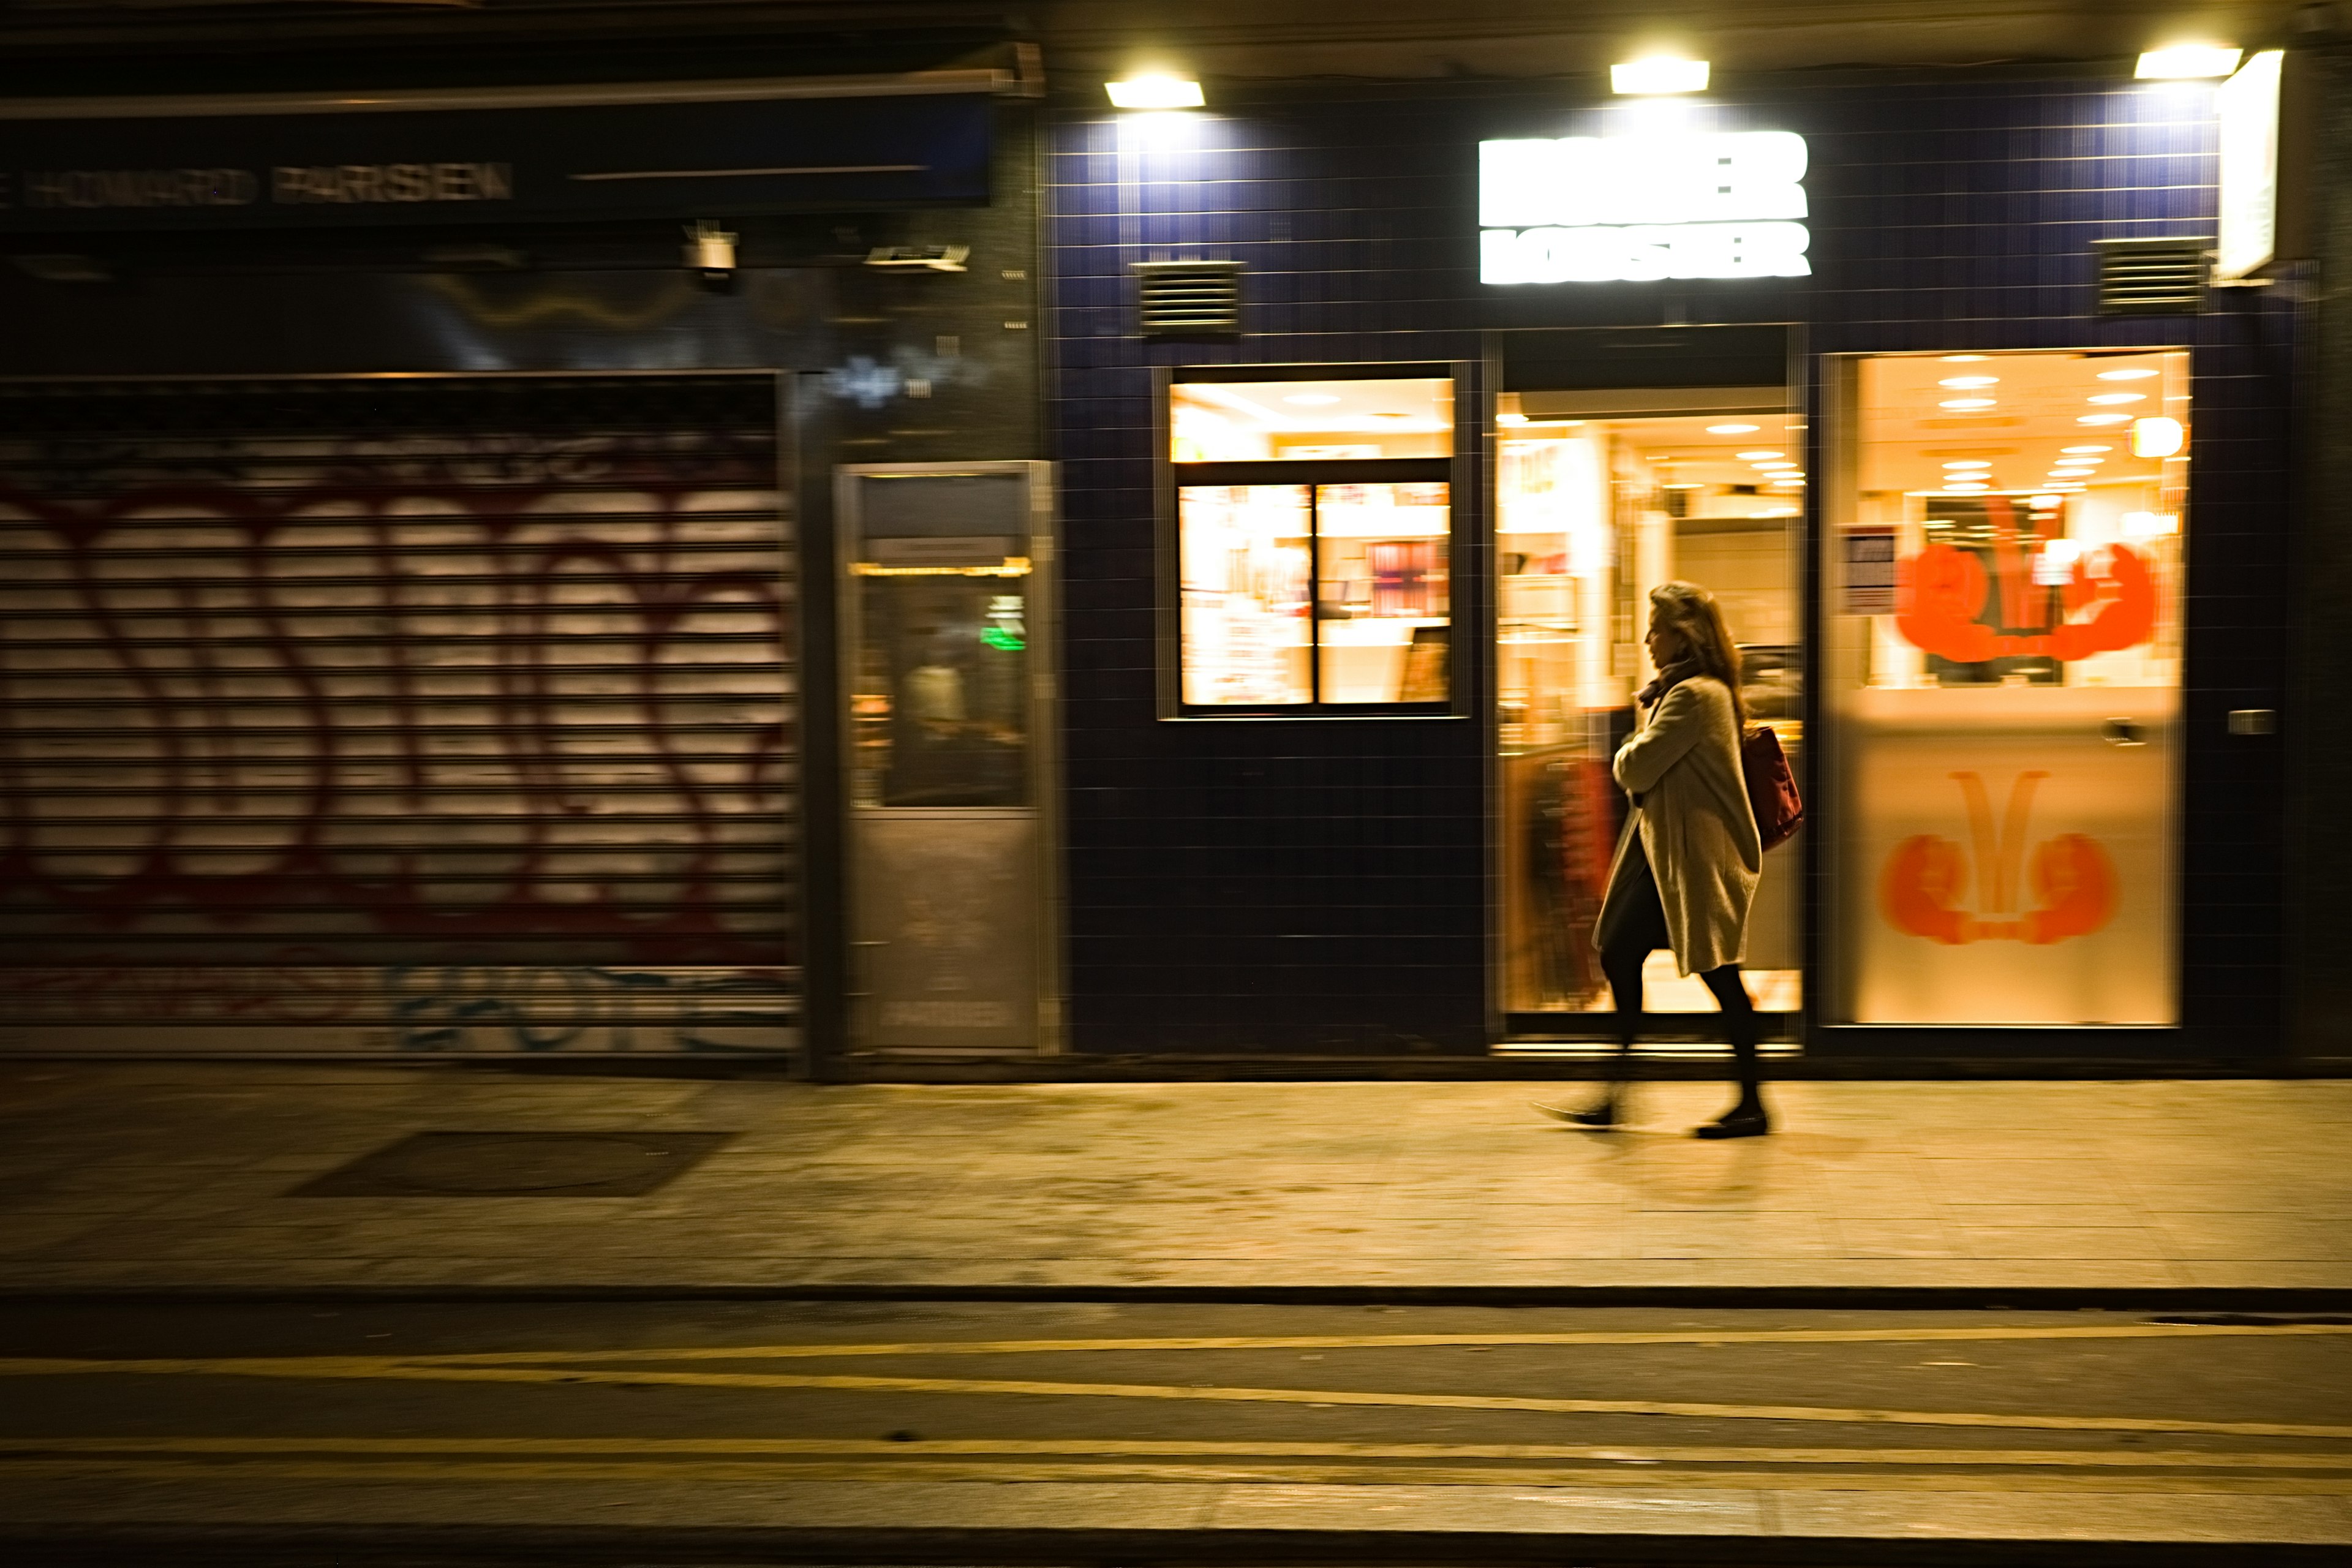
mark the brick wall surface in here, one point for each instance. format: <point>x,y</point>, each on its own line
<point>1323,884</point>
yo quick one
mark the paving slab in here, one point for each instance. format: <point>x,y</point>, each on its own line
<point>161,1177</point>
<point>708,1519</point>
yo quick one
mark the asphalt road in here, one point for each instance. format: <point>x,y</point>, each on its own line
<point>578,1393</point>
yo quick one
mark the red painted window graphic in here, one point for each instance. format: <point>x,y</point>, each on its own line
<point>2071,877</point>
<point>2104,603</point>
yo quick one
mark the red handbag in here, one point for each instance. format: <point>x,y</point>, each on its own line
<point>1771,786</point>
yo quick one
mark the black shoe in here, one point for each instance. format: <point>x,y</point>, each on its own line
<point>1737,1123</point>
<point>1598,1118</point>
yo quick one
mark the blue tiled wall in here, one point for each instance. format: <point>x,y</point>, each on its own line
<point>1322,884</point>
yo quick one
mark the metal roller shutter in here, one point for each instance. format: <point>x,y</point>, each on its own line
<point>431,713</point>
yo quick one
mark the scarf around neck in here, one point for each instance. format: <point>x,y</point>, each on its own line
<point>1669,678</point>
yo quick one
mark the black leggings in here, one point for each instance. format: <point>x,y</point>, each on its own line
<point>1636,929</point>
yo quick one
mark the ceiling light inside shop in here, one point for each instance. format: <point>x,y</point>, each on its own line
<point>2125,374</point>
<point>2157,438</point>
<point>1968,403</point>
<point>1733,429</point>
<point>1960,489</point>
<point>2186,62</point>
<point>2119,397</point>
<point>1499,418</point>
<point>2086,448</point>
<point>1962,383</point>
<point>1964,359</point>
<point>2045,503</point>
<point>1155,89</point>
<point>2101,418</point>
<point>1969,463</point>
<point>1644,78</point>
<point>1758,456</point>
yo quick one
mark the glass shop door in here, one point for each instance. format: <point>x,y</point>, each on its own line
<point>948,725</point>
<point>2002,580</point>
<point>1593,510</point>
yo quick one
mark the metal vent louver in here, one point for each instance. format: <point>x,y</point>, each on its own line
<point>2150,277</point>
<point>1188,298</point>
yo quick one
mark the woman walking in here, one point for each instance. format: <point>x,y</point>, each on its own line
<point>1686,869</point>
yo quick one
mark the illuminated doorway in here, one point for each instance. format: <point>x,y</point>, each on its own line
<point>1599,498</point>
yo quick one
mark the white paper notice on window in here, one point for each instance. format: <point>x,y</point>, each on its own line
<point>1869,551</point>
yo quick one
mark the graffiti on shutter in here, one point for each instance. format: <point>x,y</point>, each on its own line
<point>404,714</point>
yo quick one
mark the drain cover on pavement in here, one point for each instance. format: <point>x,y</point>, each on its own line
<point>518,1166</point>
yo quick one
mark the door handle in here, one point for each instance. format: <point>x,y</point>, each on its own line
<point>2124,732</point>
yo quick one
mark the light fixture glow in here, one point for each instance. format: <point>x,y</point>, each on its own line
<point>1499,418</point>
<point>2101,418</point>
<point>1961,489</point>
<point>2118,397</point>
<point>2125,374</point>
<point>2045,503</point>
<point>1968,403</point>
<point>1961,383</point>
<point>1154,91</point>
<point>1969,463</point>
<point>2186,62</point>
<point>2086,448</point>
<point>1733,429</point>
<point>1646,78</point>
<point>1964,359</point>
<point>1757,456</point>
<point>1325,400</point>
<point>2157,438</point>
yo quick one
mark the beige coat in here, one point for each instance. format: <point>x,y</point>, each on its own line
<point>1683,770</point>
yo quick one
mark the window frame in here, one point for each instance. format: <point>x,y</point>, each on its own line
<point>1454,470</point>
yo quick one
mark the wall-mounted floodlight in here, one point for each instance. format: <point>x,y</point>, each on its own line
<point>1156,90</point>
<point>1658,76</point>
<point>2186,62</point>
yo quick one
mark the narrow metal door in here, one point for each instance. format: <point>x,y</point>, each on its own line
<point>950,724</point>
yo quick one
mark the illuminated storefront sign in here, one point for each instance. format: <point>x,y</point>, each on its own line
<point>1600,209</point>
<point>2248,107</point>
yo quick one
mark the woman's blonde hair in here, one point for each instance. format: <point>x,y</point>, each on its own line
<point>1692,613</point>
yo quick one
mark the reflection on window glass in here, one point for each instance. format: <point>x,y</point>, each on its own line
<point>2005,653</point>
<point>1594,512</point>
<point>1260,421</point>
<point>1247,554</point>
<point>939,707</point>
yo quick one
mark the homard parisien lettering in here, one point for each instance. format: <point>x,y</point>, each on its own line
<point>303,184</point>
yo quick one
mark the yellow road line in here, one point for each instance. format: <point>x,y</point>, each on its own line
<point>213,1473</point>
<point>397,1371</point>
<point>1378,1342</point>
<point>662,1447</point>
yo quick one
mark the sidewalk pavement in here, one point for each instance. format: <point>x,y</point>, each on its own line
<point>178,1176</point>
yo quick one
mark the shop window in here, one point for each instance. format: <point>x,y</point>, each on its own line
<point>1313,543</point>
<point>2002,597</point>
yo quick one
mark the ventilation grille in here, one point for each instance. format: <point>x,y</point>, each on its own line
<point>1190,299</point>
<point>2150,277</point>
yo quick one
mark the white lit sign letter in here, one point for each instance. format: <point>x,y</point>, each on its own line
<point>1596,209</point>
<point>2248,105</point>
